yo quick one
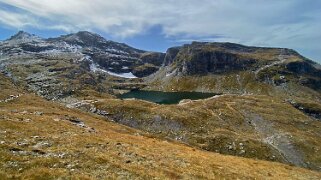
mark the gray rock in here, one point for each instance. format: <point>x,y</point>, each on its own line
<point>38,113</point>
<point>23,144</point>
<point>242,152</point>
<point>42,144</point>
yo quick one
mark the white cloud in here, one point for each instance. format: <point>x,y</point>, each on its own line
<point>15,19</point>
<point>287,23</point>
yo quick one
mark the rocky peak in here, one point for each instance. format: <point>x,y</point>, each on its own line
<point>82,38</point>
<point>24,36</point>
<point>89,37</point>
<point>20,35</point>
<point>92,40</point>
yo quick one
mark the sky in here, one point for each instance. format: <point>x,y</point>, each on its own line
<point>159,24</point>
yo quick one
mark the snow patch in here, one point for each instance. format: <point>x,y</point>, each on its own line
<point>168,74</point>
<point>95,68</point>
<point>85,58</point>
<point>129,75</point>
<point>51,51</point>
<point>113,50</point>
<point>114,63</point>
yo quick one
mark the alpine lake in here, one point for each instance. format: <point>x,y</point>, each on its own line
<point>161,97</point>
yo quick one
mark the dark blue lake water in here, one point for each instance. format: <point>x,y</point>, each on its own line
<point>165,97</point>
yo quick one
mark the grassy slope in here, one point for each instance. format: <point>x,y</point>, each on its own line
<point>218,123</point>
<point>48,145</point>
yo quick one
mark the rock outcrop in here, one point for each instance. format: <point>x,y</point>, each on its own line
<point>203,58</point>
<point>234,68</point>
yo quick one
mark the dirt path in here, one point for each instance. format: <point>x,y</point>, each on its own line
<point>281,59</point>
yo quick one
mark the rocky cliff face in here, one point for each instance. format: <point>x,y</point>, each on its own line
<point>154,58</point>
<point>171,54</point>
<point>201,59</point>
<point>234,68</point>
<point>204,62</point>
<point>214,58</point>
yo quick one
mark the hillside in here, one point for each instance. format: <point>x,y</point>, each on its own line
<point>44,139</point>
<point>60,114</point>
<point>246,126</point>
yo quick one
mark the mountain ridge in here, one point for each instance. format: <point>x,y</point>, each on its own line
<point>221,59</point>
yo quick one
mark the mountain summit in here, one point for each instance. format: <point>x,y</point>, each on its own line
<point>83,38</point>
<point>24,37</point>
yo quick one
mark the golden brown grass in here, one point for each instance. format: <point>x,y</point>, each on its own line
<point>112,151</point>
<point>215,123</point>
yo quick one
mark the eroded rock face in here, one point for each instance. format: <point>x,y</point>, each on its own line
<point>204,62</point>
<point>304,67</point>
<point>313,83</point>
<point>154,58</point>
<point>203,58</point>
<point>171,54</point>
<point>145,70</point>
